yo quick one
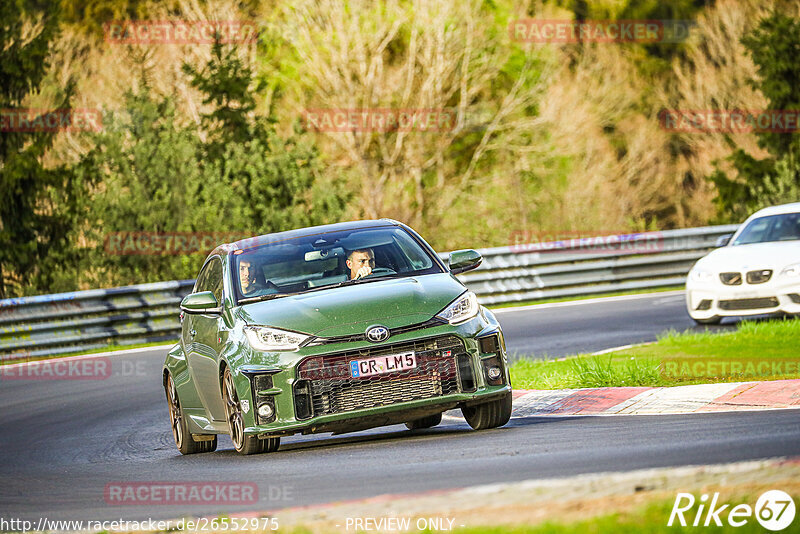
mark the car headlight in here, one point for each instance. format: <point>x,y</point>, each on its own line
<point>266,339</point>
<point>460,310</point>
<point>791,270</point>
<point>700,275</point>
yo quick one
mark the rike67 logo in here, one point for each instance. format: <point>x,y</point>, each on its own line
<point>774,510</point>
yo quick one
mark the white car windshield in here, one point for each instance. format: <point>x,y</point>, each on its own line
<point>784,227</point>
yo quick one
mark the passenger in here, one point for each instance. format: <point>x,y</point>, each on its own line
<point>247,277</point>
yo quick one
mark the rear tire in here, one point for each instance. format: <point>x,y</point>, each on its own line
<point>490,414</point>
<point>243,443</point>
<point>425,422</point>
<point>180,431</point>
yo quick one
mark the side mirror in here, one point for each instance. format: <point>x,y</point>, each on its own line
<point>464,260</point>
<point>723,240</point>
<point>202,302</point>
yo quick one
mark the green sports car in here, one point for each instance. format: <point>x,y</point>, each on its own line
<point>334,328</point>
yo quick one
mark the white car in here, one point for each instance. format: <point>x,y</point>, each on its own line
<point>755,271</point>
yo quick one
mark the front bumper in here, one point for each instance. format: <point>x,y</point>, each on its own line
<point>345,404</point>
<point>363,419</point>
<point>705,301</point>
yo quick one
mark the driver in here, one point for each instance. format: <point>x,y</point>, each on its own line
<point>360,262</point>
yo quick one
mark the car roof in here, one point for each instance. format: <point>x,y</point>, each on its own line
<point>256,241</point>
<point>794,207</point>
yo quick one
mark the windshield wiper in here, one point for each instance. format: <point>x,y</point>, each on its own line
<point>270,296</point>
<point>350,282</point>
<point>365,279</point>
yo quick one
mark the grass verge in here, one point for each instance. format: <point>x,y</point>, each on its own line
<point>763,350</point>
<point>650,518</point>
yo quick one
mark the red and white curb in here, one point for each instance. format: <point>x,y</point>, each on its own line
<point>732,396</point>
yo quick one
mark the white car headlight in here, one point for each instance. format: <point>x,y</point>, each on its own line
<point>700,275</point>
<point>791,270</point>
<point>268,339</point>
<point>460,310</point>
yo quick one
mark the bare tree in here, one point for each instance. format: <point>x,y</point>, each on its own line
<point>420,55</point>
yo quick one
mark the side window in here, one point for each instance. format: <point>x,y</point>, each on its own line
<point>210,279</point>
<point>412,251</point>
<point>200,283</point>
<point>214,281</point>
<point>787,229</point>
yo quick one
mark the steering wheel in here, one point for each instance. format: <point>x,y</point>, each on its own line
<point>268,289</point>
<point>381,271</point>
<point>271,285</point>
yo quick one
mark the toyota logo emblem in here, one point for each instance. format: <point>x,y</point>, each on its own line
<point>376,334</point>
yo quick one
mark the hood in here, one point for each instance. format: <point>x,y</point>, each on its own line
<point>351,309</point>
<point>775,256</point>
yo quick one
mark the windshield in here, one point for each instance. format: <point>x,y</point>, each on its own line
<point>785,227</point>
<point>322,261</point>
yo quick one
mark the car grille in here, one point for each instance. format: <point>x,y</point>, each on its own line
<point>731,279</point>
<point>759,277</point>
<point>748,304</point>
<point>326,379</point>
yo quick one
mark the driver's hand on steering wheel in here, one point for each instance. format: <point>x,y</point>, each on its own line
<point>366,270</point>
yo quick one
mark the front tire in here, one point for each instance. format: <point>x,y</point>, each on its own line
<point>180,430</point>
<point>243,443</point>
<point>425,422</point>
<point>489,414</point>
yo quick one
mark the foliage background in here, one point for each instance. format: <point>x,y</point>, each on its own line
<point>550,138</point>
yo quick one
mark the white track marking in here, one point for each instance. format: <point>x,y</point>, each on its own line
<point>673,400</point>
<point>598,300</point>
<point>88,356</point>
<point>621,347</point>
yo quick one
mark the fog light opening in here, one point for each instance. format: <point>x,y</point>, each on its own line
<point>494,371</point>
<point>704,305</point>
<point>265,411</point>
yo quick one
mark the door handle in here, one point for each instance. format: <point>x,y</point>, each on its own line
<point>192,332</point>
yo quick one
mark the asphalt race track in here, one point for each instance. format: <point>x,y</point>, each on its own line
<point>563,328</point>
<point>63,441</point>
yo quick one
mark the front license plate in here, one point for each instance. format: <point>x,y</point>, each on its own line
<point>383,364</point>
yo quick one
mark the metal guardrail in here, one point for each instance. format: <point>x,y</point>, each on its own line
<point>64,323</point>
<point>47,325</point>
<point>588,266</point>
